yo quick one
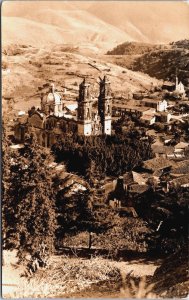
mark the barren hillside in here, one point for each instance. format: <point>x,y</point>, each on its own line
<point>102,25</point>
<point>26,68</point>
<point>53,27</point>
<point>45,23</point>
<point>146,21</point>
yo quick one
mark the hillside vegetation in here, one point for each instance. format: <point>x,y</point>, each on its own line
<point>160,61</point>
<point>135,48</point>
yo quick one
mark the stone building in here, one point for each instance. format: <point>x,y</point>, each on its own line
<point>51,120</point>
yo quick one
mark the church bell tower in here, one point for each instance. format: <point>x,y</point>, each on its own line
<point>105,106</point>
<point>84,114</point>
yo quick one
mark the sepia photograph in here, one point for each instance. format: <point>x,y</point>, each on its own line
<point>95,149</point>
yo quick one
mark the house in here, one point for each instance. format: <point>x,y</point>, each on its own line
<point>168,86</point>
<point>157,104</point>
<point>182,181</point>
<point>179,88</point>
<point>138,96</point>
<point>137,189</point>
<point>128,186</point>
<point>180,169</point>
<point>163,117</point>
<point>109,185</point>
<point>132,178</point>
<point>161,150</point>
<point>129,108</point>
<point>158,163</point>
<point>71,184</point>
<point>181,147</point>
<point>148,119</point>
<point>181,150</point>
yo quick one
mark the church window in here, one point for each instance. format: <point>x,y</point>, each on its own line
<point>88,113</point>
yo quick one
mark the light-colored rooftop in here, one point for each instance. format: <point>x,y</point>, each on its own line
<point>181,145</point>
<point>155,101</point>
<point>147,117</point>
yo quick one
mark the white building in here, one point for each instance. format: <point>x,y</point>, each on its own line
<point>159,105</point>
<point>179,88</point>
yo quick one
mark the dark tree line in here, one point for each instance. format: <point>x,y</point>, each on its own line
<point>112,155</point>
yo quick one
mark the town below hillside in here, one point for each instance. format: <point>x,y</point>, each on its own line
<point>95,170</point>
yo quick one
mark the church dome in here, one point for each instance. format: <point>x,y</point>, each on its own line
<point>54,97</point>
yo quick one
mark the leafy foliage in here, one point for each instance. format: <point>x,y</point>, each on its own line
<point>112,155</point>
<point>167,215</point>
<point>7,218</point>
<point>73,213</point>
<point>124,234</point>
<point>30,211</point>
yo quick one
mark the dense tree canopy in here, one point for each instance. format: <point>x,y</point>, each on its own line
<point>113,155</point>
<point>167,216</point>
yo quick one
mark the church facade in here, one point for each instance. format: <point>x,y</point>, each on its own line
<point>51,120</point>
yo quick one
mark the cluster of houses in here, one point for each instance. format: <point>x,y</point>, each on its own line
<point>151,107</point>
<point>90,116</point>
<point>157,174</point>
<point>148,111</point>
<point>168,169</point>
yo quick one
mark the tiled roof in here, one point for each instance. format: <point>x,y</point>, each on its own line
<point>128,178</point>
<point>181,167</point>
<point>168,83</point>
<point>147,117</point>
<point>139,189</point>
<point>134,177</point>
<point>131,107</point>
<point>152,100</point>
<point>161,149</point>
<point>181,145</point>
<point>181,180</point>
<point>139,178</point>
<point>157,163</point>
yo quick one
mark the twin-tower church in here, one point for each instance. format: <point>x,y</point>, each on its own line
<point>54,118</point>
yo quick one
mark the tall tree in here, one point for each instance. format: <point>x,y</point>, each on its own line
<point>7,221</point>
<point>31,194</point>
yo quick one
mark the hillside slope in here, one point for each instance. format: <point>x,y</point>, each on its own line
<point>49,26</point>
<point>27,68</point>
<point>160,61</point>
<point>102,24</point>
<point>171,278</point>
<point>23,8</point>
<point>146,21</point>
<point>136,48</point>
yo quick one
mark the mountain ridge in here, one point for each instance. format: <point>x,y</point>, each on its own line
<point>108,21</point>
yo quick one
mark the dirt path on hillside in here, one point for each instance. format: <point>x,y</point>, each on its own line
<point>14,285</point>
